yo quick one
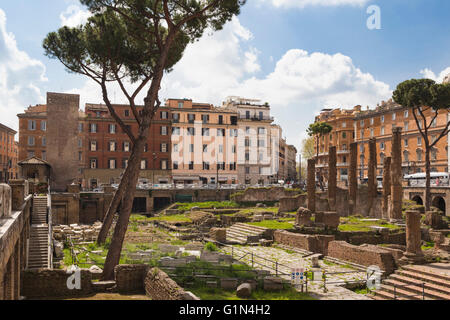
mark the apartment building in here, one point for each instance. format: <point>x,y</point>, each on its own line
<point>356,125</point>
<point>342,122</point>
<point>258,141</point>
<point>8,154</point>
<point>204,143</point>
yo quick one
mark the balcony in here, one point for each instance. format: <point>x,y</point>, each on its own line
<point>343,152</point>
<point>342,164</point>
<point>256,118</point>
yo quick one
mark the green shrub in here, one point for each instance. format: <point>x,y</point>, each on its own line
<point>211,247</point>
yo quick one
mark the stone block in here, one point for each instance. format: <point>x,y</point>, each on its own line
<point>303,217</point>
<point>273,284</point>
<point>229,283</point>
<point>218,234</point>
<point>244,290</point>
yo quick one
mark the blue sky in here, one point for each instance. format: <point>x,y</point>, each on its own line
<point>299,55</point>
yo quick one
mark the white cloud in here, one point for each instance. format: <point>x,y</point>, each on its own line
<point>20,77</point>
<point>301,83</point>
<point>429,74</point>
<point>74,16</point>
<point>305,3</point>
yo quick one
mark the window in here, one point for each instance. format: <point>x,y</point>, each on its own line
<point>163,147</point>
<point>30,154</point>
<point>205,148</point>
<point>205,132</point>
<point>164,115</point>
<point>191,131</point>
<point>31,141</point>
<point>382,118</point>
<point>80,143</point>
<point>175,165</point>
<point>344,135</point>
<point>164,164</point>
<point>176,117</point>
<point>261,143</point>
<point>247,170</point>
<point>362,133</point>
<point>124,163</point>
<point>405,142</point>
<point>371,120</point>
<point>220,132</point>
<point>419,141</point>
<point>261,130</point>
<point>44,141</point>
<point>80,155</point>
<point>221,166</point>
<point>233,149</point>
<point>112,128</point>
<point>261,156</point>
<point>361,123</point>
<point>191,118</point>
<point>146,147</point>
<point>419,155</point>
<point>175,147</point>
<point>434,154</point>
<point>44,155</point>
<point>191,165</point>
<point>394,116</point>
<point>406,114</point>
<point>247,156</point>
<point>361,148</point>
<point>382,130</point>
<point>80,127</point>
<point>405,156</point>
<point>112,164</point>
<point>344,124</point>
<point>406,125</point>
<point>247,130</point>
<point>97,114</point>
<point>233,166</point>
<point>371,132</point>
<point>205,165</point>
<point>93,163</point>
<point>205,118</point>
<point>93,146</point>
<point>164,131</point>
<point>433,123</point>
<point>221,149</point>
<point>247,114</point>
<point>127,113</point>
<point>143,164</point>
<point>180,105</point>
<point>191,148</point>
<point>44,125</point>
<point>233,132</point>
<point>126,146</point>
<point>176,131</point>
<point>261,115</point>
<point>93,128</point>
<point>220,119</point>
<point>233,120</point>
<point>247,142</point>
<point>112,146</point>
<point>31,125</point>
<point>382,145</point>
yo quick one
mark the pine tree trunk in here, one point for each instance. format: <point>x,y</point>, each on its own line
<point>115,248</point>
<point>427,181</point>
<point>109,217</point>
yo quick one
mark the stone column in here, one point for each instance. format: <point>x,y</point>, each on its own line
<point>19,191</point>
<point>352,180</point>
<point>332,176</point>
<point>386,185</point>
<point>311,185</point>
<point>372,170</point>
<point>396,175</point>
<point>413,252</point>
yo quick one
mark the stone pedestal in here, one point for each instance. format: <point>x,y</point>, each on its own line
<point>372,173</point>
<point>332,177</point>
<point>396,175</point>
<point>311,185</point>
<point>352,180</point>
<point>303,217</point>
<point>413,252</point>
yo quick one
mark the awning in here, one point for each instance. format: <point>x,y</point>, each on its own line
<point>163,180</point>
<point>186,178</point>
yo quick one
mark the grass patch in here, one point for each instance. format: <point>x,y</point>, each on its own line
<point>272,224</point>
<point>354,223</point>
<point>219,294</point>
<point>207,205</point>
<point>428,245</point>
<point>174,218</point>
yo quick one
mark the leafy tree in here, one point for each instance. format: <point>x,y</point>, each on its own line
<point>138,41</point>
<point>425,97</point>
<point>308,148</point>
<point>318,130</point>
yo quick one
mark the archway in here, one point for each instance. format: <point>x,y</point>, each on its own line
<point>418,200</point>
<point>439,202</point>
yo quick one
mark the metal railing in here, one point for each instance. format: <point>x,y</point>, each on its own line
<point>397,295</point>
<point>50,229</point>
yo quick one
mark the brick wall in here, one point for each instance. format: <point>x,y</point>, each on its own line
<point>313,243</point>
<point>364,255</point>
<point>53,283</point>
<point>130,277</point>
<point>159,286</point>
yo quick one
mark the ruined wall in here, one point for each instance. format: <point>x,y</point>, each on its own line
<point>130,277</point>
<point>159,286</point>
<point>289,204</point>
<point>65,208</point>
<point>313,243</point>
<point>53,283</point>
<point>5,201</point>
<point>62,138</point>
<point>363,255</point>
<point>263,194</point>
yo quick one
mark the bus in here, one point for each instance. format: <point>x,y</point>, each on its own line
<point>419,179</point>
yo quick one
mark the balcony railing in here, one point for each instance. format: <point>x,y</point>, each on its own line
<point>255,118</point>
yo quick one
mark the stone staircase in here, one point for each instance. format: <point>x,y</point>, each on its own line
<point>417,281</point>
<point>38,246</point>
<point>242,233</point>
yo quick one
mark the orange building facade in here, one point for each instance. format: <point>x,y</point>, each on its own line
<point>359,126</point>
<point>8,154</point>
